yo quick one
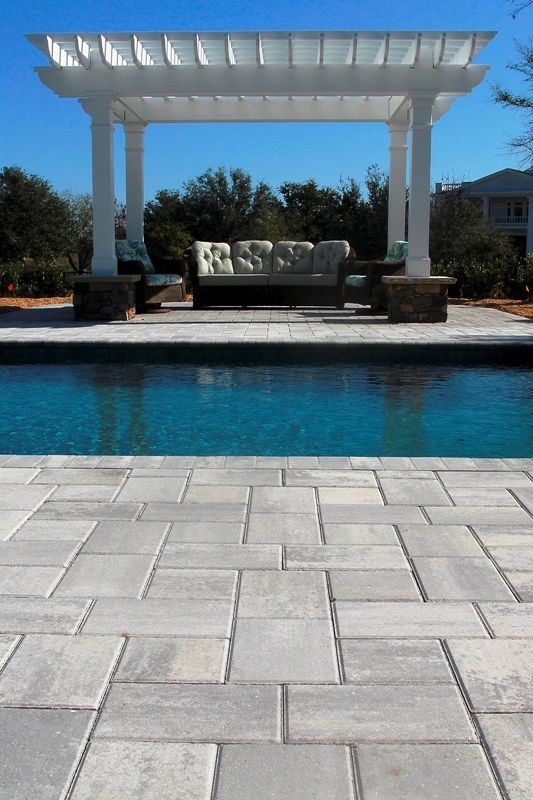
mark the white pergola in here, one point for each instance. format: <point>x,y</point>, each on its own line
<point>405,79</point>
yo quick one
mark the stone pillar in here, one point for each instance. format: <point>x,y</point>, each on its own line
<point>397,182</point>
<point>104,261</point>
<point>134,180</point>
<point>418,263</point>
<point>529,242</point>
<point>423,299</point>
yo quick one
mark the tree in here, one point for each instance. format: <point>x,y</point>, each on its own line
<point>312,211</point>
<point>522,102</point>
<point>460,232</point>
<point>35,222</point>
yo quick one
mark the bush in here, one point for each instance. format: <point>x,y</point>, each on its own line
<point>475,279</point>
<point>522,279</point>
<point>19,280</point>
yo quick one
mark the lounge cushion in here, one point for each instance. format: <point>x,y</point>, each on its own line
<point>397,252</point>
<point>327,256</point>
<point>359,281</point>
<point>234,280</point>
<point>133,250</point>
<point>292,257</point>
<point>160,279</point>
<point>252,257</point>
<point>213,258</point>
<point>282,279</point>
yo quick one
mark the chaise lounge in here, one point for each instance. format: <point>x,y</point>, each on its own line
<point>254,272</point>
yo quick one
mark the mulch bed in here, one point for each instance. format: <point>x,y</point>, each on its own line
<point>8,304</point>
<point>523,308</point>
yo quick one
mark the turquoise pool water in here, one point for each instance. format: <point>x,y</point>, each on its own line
<point>274,409</point>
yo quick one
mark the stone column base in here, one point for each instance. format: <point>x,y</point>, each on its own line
<point>105,298</point>
<point>411,299</point>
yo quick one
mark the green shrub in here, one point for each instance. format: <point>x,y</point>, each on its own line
<point>522,279</point>
<point>19,280</point>
<point>476,279</point>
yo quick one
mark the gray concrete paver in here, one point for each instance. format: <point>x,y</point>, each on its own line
<point>283,651</point>
<point>414,492</point>
<point>394,661</point>
<point>191,713</point>
<point>279,500</point>
<point>157,660</point>
<point>59,671</point>
<point>55,530</point>
<point>408,620</point>
<point>40,750</point>
<point>497,674</point>
<point>33,615</point>
<point>446,578</point>
<point>109,575</point>
<point>284,595</point>
<point>336,556</point>
<point>221,556</point>
<point>122,537</point>
<point>28,581</point>
<point>197,584</point>
<point>301,772</point>
<point>286,528</point>
<point>346,533</point>
<point>424,771</point>
<point>440,540</point>
<point>509,738</point>
<point>373,584</point>
<point>38,554</point>
<point>206,532</point>
<point>509,620</point>
<point>350,714</point>
<point>147,770</point>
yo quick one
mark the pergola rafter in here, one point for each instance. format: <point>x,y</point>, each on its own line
<point>406,79</point>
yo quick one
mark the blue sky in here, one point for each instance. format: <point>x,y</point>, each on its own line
<point>50,137</point>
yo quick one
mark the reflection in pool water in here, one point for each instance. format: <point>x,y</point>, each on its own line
<point>338,409</point>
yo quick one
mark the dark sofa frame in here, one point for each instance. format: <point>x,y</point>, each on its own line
<point>373,293</point>
<point>152,296</point>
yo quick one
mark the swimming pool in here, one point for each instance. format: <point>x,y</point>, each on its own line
<point>212,408</point>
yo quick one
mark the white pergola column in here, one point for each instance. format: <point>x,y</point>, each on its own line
<point>529,241</point>
<point>397,182</point>
<point>104,262</point>
<point>135,180</point>
<point>418,263</point>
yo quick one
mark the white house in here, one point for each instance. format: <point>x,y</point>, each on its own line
<point>507,198</point>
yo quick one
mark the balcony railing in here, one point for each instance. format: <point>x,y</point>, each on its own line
<point>505,220</point>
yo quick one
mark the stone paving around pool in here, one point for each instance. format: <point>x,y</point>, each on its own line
<point>257,628</point>
<point>180,324</point>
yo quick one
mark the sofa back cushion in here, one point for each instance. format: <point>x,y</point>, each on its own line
<point>327,256</point>
<point>397,252</point>
<point>252,256</point>
<point>212,258</point>
<point>132,250</point>
<point>295,257</point>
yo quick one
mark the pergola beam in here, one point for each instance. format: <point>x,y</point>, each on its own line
<point>336,80</point>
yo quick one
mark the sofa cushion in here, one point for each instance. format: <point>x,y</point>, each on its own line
<point>359,281</point>
<point>160,279</point>
<point>133,250</point>
<point>252,256</point>
<point>327,256</point>
<point>292,257</point>
<point>212,258</point>
<point>397,252</point>
<point>255,279</point>
<point>284,279</point>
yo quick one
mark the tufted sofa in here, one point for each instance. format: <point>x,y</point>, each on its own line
<point>256,272</point>
<point>154,287</point>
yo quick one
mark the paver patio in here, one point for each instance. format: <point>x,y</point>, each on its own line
<point>251,628</point>
<point>272,642</point>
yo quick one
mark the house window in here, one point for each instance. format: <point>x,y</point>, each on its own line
<point>518,209</point>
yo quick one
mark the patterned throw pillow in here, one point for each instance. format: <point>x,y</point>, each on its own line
<point>132,250</point>
<point>397,252</point>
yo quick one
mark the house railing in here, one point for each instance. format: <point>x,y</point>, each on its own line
<point>505,220</point>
